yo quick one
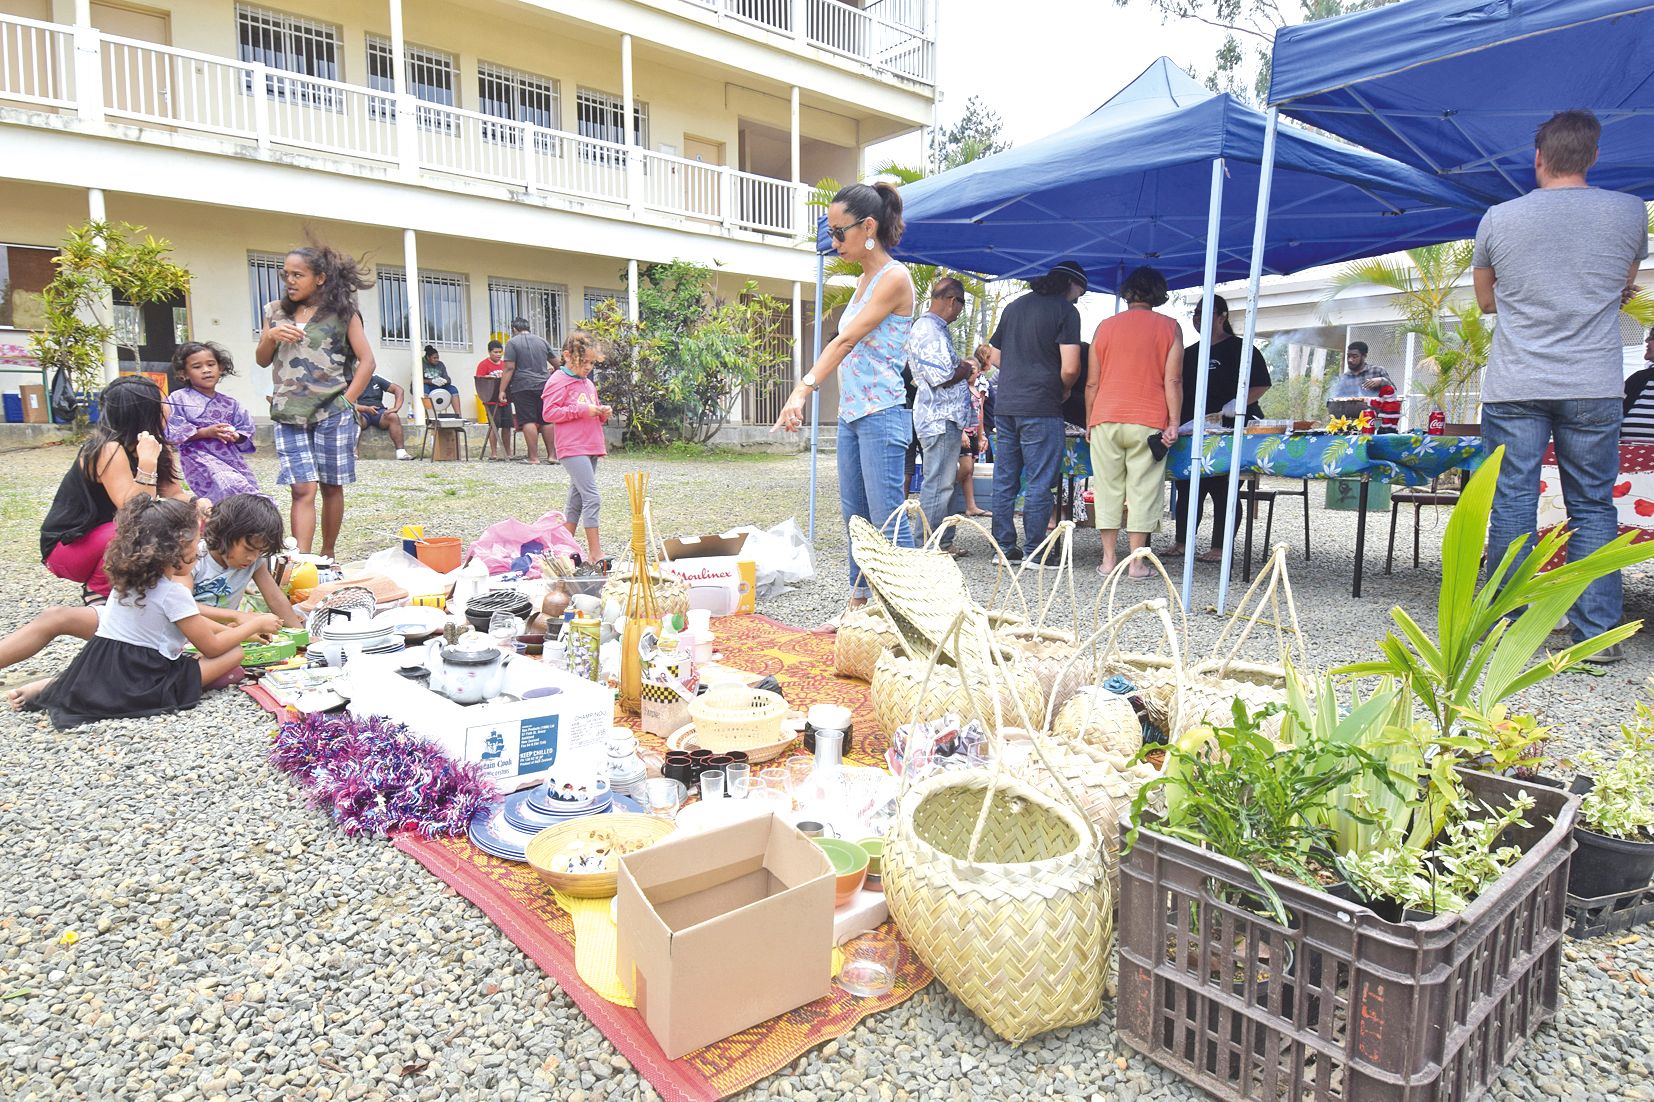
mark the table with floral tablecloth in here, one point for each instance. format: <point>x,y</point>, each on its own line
<point>1633,492</point>
<point>1408,458</point>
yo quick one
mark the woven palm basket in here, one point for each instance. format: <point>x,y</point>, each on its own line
<point>862,636</point>
<point>1095,717</point>
<point>1013,912</point>
<point>923,593</point>
<point>1046,654</point>
<point>671,595</point>
<point>901,694</point>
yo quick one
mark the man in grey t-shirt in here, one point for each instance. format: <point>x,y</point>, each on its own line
<point>1556,264</point>
<point>527,369</point>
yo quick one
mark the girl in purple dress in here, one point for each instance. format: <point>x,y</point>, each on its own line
<point>213,432</point>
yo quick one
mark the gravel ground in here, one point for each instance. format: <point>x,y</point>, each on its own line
<point>232,944</point>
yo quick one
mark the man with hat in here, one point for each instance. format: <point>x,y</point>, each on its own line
<point>1037,350</point>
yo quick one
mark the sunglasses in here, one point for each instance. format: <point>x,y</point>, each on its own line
<point>837,232</point>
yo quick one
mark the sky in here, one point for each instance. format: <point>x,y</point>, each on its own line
<point>1049,67</point>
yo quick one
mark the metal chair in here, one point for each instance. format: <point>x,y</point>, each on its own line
<point>1418,499</point>
<point>1255,496</point>
<point>437,424</point>
<point>502,417</point>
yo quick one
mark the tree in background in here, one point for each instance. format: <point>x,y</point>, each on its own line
<point>1241,65</point>
<point>677,373</point>
<point>98,262</point>
<point>977,134</point>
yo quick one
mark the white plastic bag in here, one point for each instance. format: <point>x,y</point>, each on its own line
<point>781,556</point>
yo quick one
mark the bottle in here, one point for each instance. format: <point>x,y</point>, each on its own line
<point>581,647</point>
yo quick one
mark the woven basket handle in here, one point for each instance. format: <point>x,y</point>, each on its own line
<point>1061,544</point>
<point>1249,613</point>
<point>1005,575</point>
<point>1158,608</point>
<point>1110,589</point>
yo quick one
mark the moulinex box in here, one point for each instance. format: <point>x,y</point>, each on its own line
<point>519,738</point>
<point>719,578</point>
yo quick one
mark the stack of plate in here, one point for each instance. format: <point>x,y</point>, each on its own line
<point>550,804</point>
<point>490,833</point>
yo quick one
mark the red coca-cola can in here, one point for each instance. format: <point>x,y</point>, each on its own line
<point>1438,423</point>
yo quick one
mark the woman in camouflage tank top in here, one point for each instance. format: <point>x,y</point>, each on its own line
<point>320,362</point>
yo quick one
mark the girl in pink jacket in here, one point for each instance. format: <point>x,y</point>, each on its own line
<point>569,401</point>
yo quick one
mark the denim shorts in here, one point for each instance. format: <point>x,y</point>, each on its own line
<point>324,452</point>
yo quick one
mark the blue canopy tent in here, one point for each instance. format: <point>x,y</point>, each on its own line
<point>1457,87</point>
<point>1141,180</point>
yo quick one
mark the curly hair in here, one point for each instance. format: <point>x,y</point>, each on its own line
<point>181,359</point>
<point>341,277</point>
<point>153,537</point>
<point>1145,284</point>
<point>579,345</point>
<point>128,406</point>
<point>250,518</point>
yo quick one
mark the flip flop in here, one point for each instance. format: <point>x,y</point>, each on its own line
<point>979,513</point>
<point>1209,556</point>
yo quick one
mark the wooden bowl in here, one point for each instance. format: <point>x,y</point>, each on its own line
<point>618,830</point>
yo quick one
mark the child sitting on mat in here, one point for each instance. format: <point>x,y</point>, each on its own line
<point>135,663</point>
<point>241,533</point>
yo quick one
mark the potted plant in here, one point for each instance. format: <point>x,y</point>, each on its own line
<point>1615,832</point>
<point>1501,743</point>
<point>1402,881</point>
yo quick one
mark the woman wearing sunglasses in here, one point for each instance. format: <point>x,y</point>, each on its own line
<point>569,401</point>
<point>874,426</point>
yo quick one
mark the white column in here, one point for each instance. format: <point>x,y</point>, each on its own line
<point>407,132</point>
<point>634,165</point>
<point>88,64</point>
<point>800,18</point>
<point>98,212</point>
<point>1214,213</point>
<point>631,291</point>
<point>798,331</point>
<point>1407,386</point>
<point>416,327</point>
<point>798,209</point>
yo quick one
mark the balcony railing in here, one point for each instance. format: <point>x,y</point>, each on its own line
<point>183,91</point>
<point>888,34</point>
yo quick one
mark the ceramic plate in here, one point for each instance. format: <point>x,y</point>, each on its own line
<point>412,621</point>
<point>493,835</point>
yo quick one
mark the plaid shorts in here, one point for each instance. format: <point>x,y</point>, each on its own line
<point>324,452</point>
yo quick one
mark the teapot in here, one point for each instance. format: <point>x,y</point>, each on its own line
<point>465,675</point>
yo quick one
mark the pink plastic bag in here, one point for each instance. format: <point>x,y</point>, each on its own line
<point>509,545</point>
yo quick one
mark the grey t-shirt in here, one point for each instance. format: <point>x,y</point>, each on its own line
<point>1029,338</point>
<point>531,357</point>
<point>218,585</point>
<point>154,623</point>
<point>1559,258</point>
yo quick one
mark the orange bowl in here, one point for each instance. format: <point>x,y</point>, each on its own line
<point>849,868</point>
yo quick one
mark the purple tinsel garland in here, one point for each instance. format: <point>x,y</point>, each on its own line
<point>375,777</point>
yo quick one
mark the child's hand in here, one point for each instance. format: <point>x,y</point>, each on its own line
<point>286,332</point>
<point>265,624</point>
<point>604,413</point>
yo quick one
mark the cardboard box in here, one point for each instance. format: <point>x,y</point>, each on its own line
<point>34,404</point>
<point>724,929</point>
<point>517,742</point>
<point>719,579</point>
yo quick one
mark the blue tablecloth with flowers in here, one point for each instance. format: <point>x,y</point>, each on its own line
<point>1410,458</point>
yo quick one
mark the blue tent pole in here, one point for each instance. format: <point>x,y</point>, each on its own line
<point>815,401</point>
<point>1260,226</point>
<point>1214,214</point>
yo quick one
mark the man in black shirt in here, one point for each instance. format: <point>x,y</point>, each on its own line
<point>527,367</point>
<point>1037,350</point>
<point>1222,376</point>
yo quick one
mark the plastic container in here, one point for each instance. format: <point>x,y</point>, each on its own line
<point>1340,1004</point>
<point>1610,914</point>
<point>440,553</point>
<point>13,404</point>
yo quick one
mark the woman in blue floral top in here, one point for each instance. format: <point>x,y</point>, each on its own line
<point>874,426</point>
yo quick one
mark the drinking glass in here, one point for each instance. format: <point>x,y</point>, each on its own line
<point>774,778</point>
<point>664,796</point>
<point>799,768</point>
<point>740,787</point>
<point>870,963</point>
<point>736,776</point>
<point>712,784</point>
<point>504,627</point>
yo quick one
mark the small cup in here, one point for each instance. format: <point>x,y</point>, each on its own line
<point>774,778</point>
<point>799,768</point>
<point>664,797</point>
<point>738,771</point>
<point>712,784</point>
<point>679,769</point>
<point>811,828</point>
<point>874,848</point>
<point>719,761</point>
<point>737,756</point>
<point>740,788</point>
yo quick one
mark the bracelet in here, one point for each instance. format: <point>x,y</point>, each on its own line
<point>142,480</point>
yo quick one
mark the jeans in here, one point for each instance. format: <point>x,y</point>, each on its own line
<point>1026,450</point>
<point>870,451</point>
<point>940,494</point>
<point>1586,433</point>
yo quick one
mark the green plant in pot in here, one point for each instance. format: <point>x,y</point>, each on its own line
<point>1499,742</point>
<point>1615,832</point>
<point>1401,880</point>
<point>1233,791</point>
<point>1487,635</point>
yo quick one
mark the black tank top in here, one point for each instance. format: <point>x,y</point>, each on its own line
<point>81,505</point>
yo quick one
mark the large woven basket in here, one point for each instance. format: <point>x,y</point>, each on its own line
<point>1095,717</point>
<point>901,695</point>
<point>622,832</point>
<point>1045,656</point>
<point>671,595</point>
<point>1016,922</point>
<point>1104,784</point>
<point>862,636</point>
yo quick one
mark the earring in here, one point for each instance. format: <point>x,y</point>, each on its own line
<point>867,243</point>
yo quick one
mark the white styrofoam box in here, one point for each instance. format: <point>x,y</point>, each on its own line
<point>517,742</point>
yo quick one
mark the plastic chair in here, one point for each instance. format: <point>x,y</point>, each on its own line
<point>1418,499</point>
<point>502,417</point>
<point>438,424</point>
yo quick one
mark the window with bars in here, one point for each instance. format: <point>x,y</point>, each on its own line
<point>543,304</point>
<point>264,284</point>
<point>444,308</point>
<point>600,115</point>
<point>597,296</point>
<point>521,97</point>
<point>429,74</point>
<point>289,44</point>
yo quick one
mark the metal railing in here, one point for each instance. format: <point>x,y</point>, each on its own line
<point>185,91</point>
<point>890,34</point>
<point>36,62</point>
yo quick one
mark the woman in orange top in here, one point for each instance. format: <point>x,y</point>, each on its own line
<point>1133,392</point>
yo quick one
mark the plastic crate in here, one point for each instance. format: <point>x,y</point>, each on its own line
<point>1340,1004</point>
<point>1610,914</point>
